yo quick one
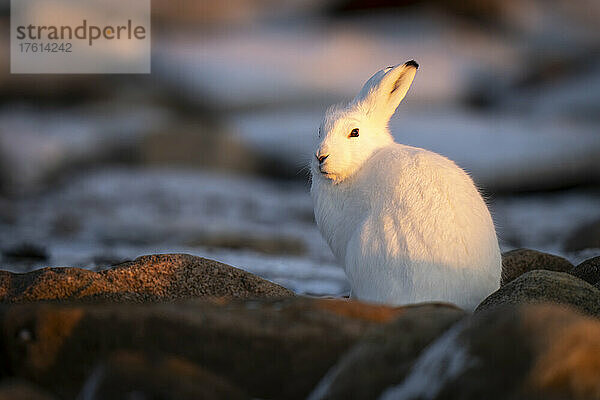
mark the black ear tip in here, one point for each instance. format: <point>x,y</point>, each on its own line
<point>412,63</point>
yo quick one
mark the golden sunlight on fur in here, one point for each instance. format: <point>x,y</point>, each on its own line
<point>407,224</point>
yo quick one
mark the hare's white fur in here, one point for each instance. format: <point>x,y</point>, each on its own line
<point>407,224</point>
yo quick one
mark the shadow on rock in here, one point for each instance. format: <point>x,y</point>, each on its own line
<point>267,348</point>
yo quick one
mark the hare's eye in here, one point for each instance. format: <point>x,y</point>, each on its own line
<point>354,133</point>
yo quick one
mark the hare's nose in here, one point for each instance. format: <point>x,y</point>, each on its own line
<point>321,158</point>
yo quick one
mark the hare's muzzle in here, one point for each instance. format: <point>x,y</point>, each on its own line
<point>321,158</point>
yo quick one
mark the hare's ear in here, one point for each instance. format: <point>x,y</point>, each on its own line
<point>385,90</point>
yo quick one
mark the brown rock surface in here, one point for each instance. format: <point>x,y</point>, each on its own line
<point>267,348</point>
<point>163,277</point>
<point>126,375</point>
<point>14,389</point>
<point>386,354</point>
<point>516,262</point>
<point>534,352</point>
<point>540,286</point>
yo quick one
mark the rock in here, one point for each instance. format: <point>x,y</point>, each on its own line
<point>12,389</point>
<point>23,256</point>
<point>27,251</point>
<point>525,352</point>
<point>268,244</point>
<point>198,145</point>
<point>164,277</point>
<point>587,236</point>
<point>268,348</point>
<point>540,286</point>
<point>126,374</point>
<point>385,356</point>
<point>517,262</point>
<point>589,271</point>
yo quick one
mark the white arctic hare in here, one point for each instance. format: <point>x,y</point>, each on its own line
<point>407,224</point>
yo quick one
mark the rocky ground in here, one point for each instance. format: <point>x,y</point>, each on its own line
<point>183,327</point>
<point>208,154</point>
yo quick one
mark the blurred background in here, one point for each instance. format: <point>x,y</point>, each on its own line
<point>207,154</point>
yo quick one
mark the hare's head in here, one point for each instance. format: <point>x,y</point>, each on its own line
<point>349,135</point>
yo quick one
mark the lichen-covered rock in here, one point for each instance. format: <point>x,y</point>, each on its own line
<point>164,277</point>
<point>516,262</point>
<point>267,348</point>
<point>385,355</point>
<point>126,375</point>
<point>589,271</point>
<point>534,352</point>
<point>540,286</point>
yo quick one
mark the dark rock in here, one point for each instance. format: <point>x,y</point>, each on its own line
<point>529,352</point>
<point>542,286</point>
<point>268,244</point>
<point>586,236</point>
<point>26,251</point>
<point>589,270</point>
<point>127,375</point>
<point>385,356</point>
<point>516,262</point>
<point>197,145</point>
<point>13,389</point>
<point>148,278</point>
<point>267,348</point>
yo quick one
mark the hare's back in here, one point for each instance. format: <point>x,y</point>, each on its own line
<point>418,173</point>
<point>425,214</point>
<point>426,195</point>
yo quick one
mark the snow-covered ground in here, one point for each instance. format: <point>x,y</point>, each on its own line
<point>262,226</point>
<point>116,214</point>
